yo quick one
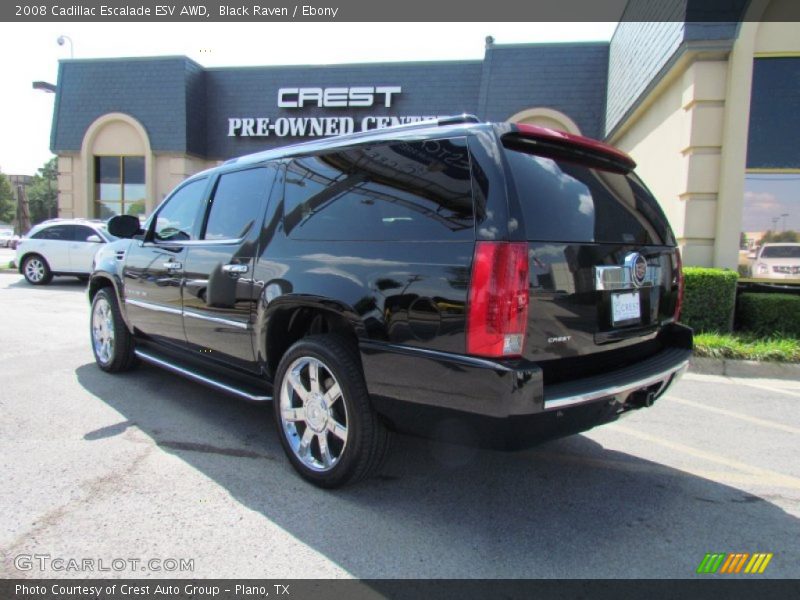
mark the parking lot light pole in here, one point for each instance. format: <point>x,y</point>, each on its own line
<point>65,38</point>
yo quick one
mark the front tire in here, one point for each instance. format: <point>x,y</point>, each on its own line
<point>112,343</point>
<point>36,270</point>
<point>325,420</point>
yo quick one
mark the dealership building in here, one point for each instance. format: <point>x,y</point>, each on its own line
<point>709,110</point>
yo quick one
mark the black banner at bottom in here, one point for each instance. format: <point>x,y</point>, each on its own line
<point>401,589</point>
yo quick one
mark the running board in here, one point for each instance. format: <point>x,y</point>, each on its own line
<point>229,388</point>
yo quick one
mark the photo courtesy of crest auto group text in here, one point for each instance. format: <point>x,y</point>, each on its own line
<point>324,301</point>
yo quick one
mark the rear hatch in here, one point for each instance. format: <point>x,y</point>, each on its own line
<point>603,268</point>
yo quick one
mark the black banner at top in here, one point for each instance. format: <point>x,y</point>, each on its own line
<point>266,11</point>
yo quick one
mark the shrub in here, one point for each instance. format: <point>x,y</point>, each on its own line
<point>769,314</point>
<point>709,298</point>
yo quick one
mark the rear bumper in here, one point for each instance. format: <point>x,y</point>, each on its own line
<point>653,375</point>
<point>505,404</point>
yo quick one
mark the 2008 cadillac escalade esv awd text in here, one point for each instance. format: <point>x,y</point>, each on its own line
<point>494,284</point>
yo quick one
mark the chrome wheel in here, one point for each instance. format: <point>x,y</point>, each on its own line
<point>103,331</point>
<point>34,270</point>
<point>313,414</point>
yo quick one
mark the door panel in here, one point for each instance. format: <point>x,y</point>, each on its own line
<point>218,287</point>
<point>56,252</point>
<point>154,267</point>
<point>152,277</point>
<point>81,252</point>
<point>218,301</point>
<point>53,243</point>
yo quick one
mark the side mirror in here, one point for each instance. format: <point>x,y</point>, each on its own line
<point>124,226</point>
<point>94,239</point>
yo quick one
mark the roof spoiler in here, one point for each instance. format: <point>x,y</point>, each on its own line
<point>561,140</point>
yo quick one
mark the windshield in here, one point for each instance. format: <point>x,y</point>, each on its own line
<point>781,252</point>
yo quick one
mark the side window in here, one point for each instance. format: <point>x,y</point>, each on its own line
<point>57,232</point>
<point>414,191</point>
<point>237,203</point>
<point>81,232</point>
<point>177,218</point>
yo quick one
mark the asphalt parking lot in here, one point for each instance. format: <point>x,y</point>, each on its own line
<point>145,465</point>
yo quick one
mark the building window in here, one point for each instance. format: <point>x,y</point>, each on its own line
<point>769,241</point>
<point>771,216</point>
<point>119,186</point>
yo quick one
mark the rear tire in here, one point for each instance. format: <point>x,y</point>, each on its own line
<point>112,343</point>
<point>325,420</point>
<point>36,270</point>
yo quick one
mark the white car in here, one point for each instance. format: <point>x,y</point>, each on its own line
<point>60,247</point>
<point>6,238</point>
<point>777,261</point>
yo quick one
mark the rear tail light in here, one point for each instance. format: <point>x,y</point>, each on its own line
<point>498,299</point>
<point>679,277</point>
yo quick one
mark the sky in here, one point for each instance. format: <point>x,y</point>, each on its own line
<point>29,52</point>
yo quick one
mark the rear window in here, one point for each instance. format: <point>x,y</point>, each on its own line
<point>565,201</point>
<point>780,252</point>
<point>57,232</point>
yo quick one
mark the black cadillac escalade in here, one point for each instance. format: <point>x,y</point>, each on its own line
<point>494,284</point>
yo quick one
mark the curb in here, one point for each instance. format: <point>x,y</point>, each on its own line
<point>744,368</point>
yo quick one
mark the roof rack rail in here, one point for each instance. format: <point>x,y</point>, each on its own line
<point>436,122</point>
<point>323,143</point>
<point>455,119</point>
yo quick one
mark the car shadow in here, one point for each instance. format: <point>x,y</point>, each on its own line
<point>569,508</point>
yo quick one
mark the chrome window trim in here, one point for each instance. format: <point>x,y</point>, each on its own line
<point>192,243</point>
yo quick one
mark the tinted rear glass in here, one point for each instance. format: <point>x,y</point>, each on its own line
<point>781,252</point>
<point>57,232</point>
<point>396,191</point>
<point>564,201</point>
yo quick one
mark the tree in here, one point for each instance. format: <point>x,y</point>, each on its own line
<point>8,205</point>
<point>782,236</point>
<point>43,193</point>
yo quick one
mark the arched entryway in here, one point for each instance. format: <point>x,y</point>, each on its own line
<point>118,166</point>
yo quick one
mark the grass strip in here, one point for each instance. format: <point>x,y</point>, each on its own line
<point>747,347</point>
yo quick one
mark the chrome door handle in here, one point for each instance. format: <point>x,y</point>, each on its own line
<point>173,265</point>
<point>238,269</point>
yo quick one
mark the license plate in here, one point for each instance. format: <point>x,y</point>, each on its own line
<point>625,307</point>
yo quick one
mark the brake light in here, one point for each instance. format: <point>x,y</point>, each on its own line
<point>497,315</point>
<point>679,276</point>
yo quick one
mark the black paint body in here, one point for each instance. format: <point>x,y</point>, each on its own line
<point>404,304</point>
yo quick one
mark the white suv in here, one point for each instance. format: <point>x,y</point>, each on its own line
<point>778,261</point>
<point>60,247</point>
